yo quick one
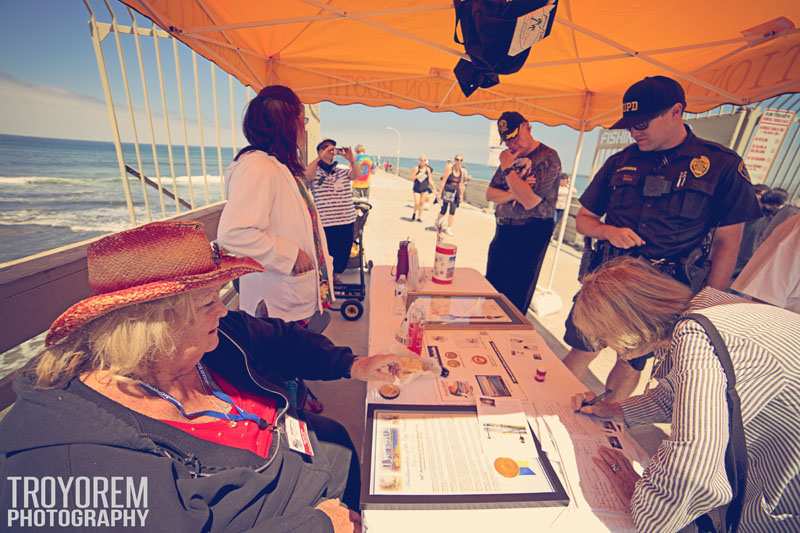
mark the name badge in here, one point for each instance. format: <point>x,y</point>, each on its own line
<point>297,435</point>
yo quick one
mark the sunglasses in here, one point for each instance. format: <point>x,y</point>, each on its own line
<point>641,126</point>
<point>459,159</point>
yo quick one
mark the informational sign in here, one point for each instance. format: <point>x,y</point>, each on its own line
<point>766,142</point>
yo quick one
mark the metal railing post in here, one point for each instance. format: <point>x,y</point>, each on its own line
<point>112,117</point>
<point>148,112</point>
<point>179,83</point>
<point>165,112</point>
<point>124,73</point>
<point>216,128</point>
<point>199,119</point>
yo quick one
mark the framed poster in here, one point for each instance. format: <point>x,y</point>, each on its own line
<point>468,310</point>
<point>432,457</point>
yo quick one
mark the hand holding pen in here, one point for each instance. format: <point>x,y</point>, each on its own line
<point>590,404</point>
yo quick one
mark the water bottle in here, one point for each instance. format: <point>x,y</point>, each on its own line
<point>400,294</point>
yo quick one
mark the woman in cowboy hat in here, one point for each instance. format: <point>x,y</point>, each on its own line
<point>151,378</point>
<point>728,375</point>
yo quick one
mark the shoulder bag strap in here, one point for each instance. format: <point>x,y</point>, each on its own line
<point>736,452</point>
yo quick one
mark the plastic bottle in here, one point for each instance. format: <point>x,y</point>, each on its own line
<point>416,329</point>
<point>400,293</point>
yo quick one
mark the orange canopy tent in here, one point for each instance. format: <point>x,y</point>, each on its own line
<point>401,52</point>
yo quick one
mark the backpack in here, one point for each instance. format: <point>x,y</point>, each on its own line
<point>497,36</point>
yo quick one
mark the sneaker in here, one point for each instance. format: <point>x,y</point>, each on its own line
<point>419,220</point>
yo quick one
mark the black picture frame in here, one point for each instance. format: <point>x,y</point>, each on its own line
<point>557,497</point>
<point>517,319</point>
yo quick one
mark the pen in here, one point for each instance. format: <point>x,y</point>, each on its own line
<point>504,426</point>
<point>587,403</point>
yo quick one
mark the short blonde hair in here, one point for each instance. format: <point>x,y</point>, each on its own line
<point>628,304</point>
<point>125,342</point>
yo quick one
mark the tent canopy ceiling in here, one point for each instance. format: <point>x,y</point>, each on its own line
<point>401,52</point>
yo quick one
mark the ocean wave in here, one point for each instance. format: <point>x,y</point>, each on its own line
<point>99,219</point>
<point>45,180</point>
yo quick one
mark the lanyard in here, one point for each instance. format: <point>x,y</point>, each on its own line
<point>238,416</point>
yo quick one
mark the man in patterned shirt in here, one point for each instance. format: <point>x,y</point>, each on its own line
<point>524,190</point>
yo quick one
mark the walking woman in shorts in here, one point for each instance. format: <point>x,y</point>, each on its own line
<point>422,175</point>
<point>451,191</point>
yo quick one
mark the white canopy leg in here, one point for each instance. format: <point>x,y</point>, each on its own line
<point>547,301</point>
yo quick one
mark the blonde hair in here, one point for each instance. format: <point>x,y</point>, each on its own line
<point>628,304</point>
<point>125,342</point>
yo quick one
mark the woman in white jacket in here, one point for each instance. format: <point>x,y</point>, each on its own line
<point>270,215</point>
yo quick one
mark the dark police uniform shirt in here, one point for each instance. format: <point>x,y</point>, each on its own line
<point>673,198</point>
<point>545,165</point>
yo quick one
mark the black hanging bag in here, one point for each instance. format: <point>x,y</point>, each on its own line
<point>490,33</point>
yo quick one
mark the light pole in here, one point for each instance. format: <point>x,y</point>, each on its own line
<point>397,167</point>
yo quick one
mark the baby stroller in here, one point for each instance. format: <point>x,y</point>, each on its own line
<point>354,293</point>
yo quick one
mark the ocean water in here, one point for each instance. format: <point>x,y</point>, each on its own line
<point>55,192</point>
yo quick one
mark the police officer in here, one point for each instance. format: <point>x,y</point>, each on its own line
<point>661,198</point>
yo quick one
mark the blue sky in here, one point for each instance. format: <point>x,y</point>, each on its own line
<point>49,87</point>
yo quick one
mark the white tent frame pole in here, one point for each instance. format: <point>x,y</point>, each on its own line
<point>318,18</point>
<point>158,20</point>
<point>586,103</point>
<point>648,59</point>
<point>228,39</point>
<point>388,29</point>
<point>112,117</point>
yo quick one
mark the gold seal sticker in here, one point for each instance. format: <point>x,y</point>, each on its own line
<point>743,171</point>
<point>506,467</point>
<point>699,166</point>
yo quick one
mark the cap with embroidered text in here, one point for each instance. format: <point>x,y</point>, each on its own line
<point>648,98</point>
<point>508,124</point>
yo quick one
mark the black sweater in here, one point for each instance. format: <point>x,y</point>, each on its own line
<point>192,485</point>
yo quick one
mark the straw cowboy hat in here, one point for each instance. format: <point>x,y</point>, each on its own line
<point>147,263</point>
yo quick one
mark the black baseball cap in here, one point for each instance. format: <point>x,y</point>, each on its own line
<point>648,98</point>
<point>508,124</point>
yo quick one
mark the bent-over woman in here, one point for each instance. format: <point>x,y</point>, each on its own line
<point>735,435</point>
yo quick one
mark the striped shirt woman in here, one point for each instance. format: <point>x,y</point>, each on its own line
<point>686,478</point>
<point>331,186</point>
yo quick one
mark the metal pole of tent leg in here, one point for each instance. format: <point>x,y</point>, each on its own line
<point>233,117</point>
<point>216,129</point>
<point>148,112</point>
<point>586,102</point>
<point>112,117</point>
<point>165,112</point>
<point>198,110</point>
<point>124,73</point>
<point>179,83</point>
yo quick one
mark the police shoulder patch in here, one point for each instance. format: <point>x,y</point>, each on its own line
<point>743,171</point>
<point>699,166</point>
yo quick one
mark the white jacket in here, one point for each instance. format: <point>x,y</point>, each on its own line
<point>266,218</point>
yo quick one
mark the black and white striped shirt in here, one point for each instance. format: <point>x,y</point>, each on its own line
<point>686,477</point>
<point>333,196</point>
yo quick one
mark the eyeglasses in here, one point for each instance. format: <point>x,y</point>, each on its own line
<point>641,126</point>
<point>305,121</point>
